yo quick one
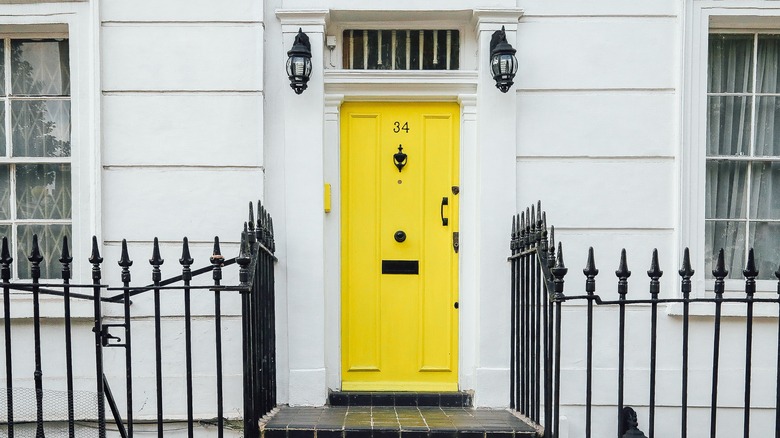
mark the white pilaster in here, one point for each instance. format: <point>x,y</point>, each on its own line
<point>303,179</point>
<point>495,203</point>
<point>469,217</point>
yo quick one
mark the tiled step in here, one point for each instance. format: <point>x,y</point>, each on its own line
<point>394,422</point>
<point>438,399</point>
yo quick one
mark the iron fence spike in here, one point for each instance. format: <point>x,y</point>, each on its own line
<point>35,254</point>
<point>156,259</point>
<point>590,266</point>
<point>65,255</point>
<point>216,253</point>
<point>94,258</point>
<point>186,259</point>
<point>750,271</point>
<point>720,271</point>
<point>5,253</point>
<point>622,271</point>
<point>686,271</point>
<point>655,271</point>
<point>251,215</point>
<point>124,259</point>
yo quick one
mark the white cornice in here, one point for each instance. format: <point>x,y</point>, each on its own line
<point>302,18</point>
<point>434,85</point>
<point>489,19</point>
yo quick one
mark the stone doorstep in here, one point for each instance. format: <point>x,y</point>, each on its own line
<point>393,422</point>
<point>398,398</point>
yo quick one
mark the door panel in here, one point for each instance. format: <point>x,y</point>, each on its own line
<point>399,328</point>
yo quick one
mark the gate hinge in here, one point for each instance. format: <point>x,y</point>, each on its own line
<point>456,241</point>
<point>455,190</point>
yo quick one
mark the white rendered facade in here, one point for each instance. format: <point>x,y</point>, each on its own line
<point>183,113</point>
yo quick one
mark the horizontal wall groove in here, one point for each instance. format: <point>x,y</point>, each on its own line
<point>616,16</point>
<point>611,230</point>
<point>255,92</point>
<point>183,167</point>
<point>182,23</point>
<point>597,157</point>
<point>598,90</point>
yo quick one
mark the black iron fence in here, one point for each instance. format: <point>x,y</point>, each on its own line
<point>30,410</point>
<point>537,299</point>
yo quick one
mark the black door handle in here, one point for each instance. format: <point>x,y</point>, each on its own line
<point>444,220</point>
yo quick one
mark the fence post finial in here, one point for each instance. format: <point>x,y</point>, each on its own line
<point>156,261</point>
<point>125,262</point>
<point>551,252</point>
<point>559,271</point>
<point>622,274</point>
<point>186,260</point>
<point>750,272</point>
<point>720,272</point>
<point>217,260</point>
<point>686,272</point>
<point>65,259</point>
<point>590,272</point>
<point>655,274</point>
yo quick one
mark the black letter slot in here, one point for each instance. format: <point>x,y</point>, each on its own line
<point>405,267</point>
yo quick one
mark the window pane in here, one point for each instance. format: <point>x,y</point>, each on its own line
<point>5,231</point>
<point>5,192</point>
<point>40,67</point>
<point>43,191</point>
<point>765,239</point>
<point>2,67</point>
<point>767,126</point>
<point>730,64</point>
<point>728,125</point>
<point>726,189</point>
<point>729,235</point>
<point>41,128</point>
<point>50,244</point>
<point>767,73</point>
<point>2,128</point>
<point>765,191</point>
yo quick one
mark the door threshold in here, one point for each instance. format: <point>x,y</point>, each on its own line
<point>448,399</point>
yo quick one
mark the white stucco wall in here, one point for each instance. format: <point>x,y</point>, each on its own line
<point>193,117</point>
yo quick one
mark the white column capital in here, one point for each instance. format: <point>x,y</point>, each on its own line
<point>333,102</point>
<point>492,19</point>
<point>309,20</point>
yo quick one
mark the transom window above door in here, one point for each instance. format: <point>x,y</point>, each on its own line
<point>402,49</point>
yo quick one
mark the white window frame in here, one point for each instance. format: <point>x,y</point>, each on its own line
<point>78,21</point>
<point>704,18</point>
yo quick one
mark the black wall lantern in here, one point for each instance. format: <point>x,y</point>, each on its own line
<point>503,62</point>
<point>299,62</point>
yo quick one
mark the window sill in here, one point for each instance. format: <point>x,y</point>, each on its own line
<point>728,310</point>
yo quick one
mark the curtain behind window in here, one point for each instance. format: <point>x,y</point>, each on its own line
<point>743,188</point>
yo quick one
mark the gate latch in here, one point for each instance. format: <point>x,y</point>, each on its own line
<point>456,241</point>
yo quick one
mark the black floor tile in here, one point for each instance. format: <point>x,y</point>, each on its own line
<point>275,433</point>
<point>383,399</point>
<point>300,433</point>
<point>360,399</point>
<point>384,433</point>
<point>357,433</point>
<point>414,434</point>
<point>327,433</point>
<point>471,434</point>
<point>338,399</point>
<point>427,399</point>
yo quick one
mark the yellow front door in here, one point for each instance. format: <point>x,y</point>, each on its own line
<point>399,178</point>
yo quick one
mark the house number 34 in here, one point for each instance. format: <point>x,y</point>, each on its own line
<point>398,127</point>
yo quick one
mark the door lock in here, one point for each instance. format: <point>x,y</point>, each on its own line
<point>399,236</point>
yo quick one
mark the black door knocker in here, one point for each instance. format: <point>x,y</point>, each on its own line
<point>399,158</point>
